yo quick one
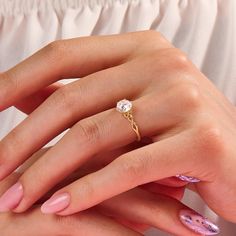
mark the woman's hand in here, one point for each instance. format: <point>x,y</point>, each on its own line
<point>137,209</point>
<point>34,222</point>
<point>192,125</point>
<point>86,223</point>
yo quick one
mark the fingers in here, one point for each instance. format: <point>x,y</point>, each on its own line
<point>101,160</point>
<point>67,105</point>
<point>61,111</point>
<point>155,210</point>
<point>105,131</point>
<point>33,222</point>
<point>88,223</point>
<point>150,163</point>
<point>29,104</point>
<point>70,58</point>
<point>137,206</point>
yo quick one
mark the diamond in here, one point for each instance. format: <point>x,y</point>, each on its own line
<point>124,106</point>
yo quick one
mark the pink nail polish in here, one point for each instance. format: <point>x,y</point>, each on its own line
<point>56,203</point>
<point>11,198</point>
<point>198,223</point>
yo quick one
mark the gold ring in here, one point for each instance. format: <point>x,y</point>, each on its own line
<point>125,107</point>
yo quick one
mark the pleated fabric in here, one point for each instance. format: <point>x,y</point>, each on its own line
<point>204,29</point>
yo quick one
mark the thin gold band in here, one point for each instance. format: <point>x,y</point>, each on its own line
<point>129,116</point>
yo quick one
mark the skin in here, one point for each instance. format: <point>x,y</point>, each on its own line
<point>33,222</point>
<point>129,214</point>
<point>190,123</point>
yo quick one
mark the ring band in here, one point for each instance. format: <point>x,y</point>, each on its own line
<point>125,107</point>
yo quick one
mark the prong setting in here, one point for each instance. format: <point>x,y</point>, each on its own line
<point>124,106</point>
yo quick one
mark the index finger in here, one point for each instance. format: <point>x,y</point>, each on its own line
<point>71,58</point>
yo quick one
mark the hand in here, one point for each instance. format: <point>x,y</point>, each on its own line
<point>86,223</point>
<point>191,124</point>
<point>34,222</point>
<point>137,209</point>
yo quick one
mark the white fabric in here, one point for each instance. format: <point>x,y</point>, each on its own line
<point>204,29</point>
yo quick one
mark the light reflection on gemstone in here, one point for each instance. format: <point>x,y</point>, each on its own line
<point>124,106</point>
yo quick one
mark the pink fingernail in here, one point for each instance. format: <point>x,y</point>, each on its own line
<point>56,203</point>
<point>11,198</point>
<point>198,223</point>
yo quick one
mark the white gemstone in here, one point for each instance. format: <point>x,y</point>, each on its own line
<point>124,106</point>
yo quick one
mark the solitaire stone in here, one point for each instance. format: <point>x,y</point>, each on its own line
<point>124,106</point>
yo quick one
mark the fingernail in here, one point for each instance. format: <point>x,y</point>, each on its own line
<point>198,223</point>
<point>11,198</point>
<point>188,178</point>
<point>56,203</point>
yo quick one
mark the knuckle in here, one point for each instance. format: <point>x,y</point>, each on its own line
<point>170,62</point>
<point>152,34</point>
<point>65,99</point>
<point>148,41</point>
<point>179,59</point>
<point>189,96</point>
<point>135,168</point>
<point>87,189</point>
<point>56,49</point>
<point>147,35</point>
<point>62,95</point>
<point>9,146</point>
<point>89,130</point>
<point>11,82</point>
<point>210,140</point>
<point>156,39</point>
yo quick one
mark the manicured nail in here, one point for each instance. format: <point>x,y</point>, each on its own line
<point>198,223</point>
<point>56,203</point>
<point>11,198</point>
<point>188,178</point>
